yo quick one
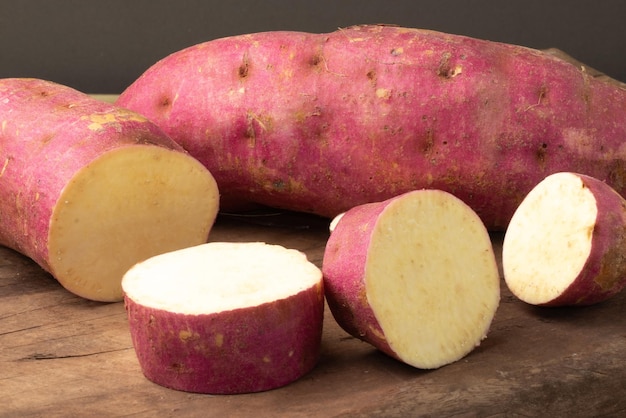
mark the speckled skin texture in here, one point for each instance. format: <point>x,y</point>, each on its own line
<point>240,351</point>
<point>48,132</point>
<point>323,122</point>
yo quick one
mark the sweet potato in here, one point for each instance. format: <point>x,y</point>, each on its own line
<point>225,318</point>
<point>566,243</point>
<point>323,122</point>
<point>87,189</point>
<point>415,276</point>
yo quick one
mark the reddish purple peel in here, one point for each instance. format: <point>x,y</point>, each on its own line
<point>324,122</point>
<point>604,274</point>
<point>240,351</point>
<point>343,268</point>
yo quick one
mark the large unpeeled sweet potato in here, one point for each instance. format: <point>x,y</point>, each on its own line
<point>88,189</point>
<point>323,122</point>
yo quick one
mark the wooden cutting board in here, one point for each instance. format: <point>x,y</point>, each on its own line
<point>63,356</point>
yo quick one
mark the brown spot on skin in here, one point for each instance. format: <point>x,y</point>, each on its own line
<point>164,104</point>
<point>446,69</point>
<point>315,60</point>
<point>179,368</point>
<point>47,139</point>
<point>429,141</point>
<point>541,153</point>
<point>372,77</point>
<point>444,65</point>
<point>244,68</point>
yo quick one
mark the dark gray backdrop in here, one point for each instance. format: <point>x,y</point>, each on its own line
<point>101,46</point>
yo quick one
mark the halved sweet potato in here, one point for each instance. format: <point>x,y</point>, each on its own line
<point>414,275</point>
<point>88,189</point>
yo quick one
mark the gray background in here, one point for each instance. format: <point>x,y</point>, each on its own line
<point>101,46</point>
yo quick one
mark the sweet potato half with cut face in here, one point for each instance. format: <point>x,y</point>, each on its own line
<point>87,189</point>
<point>415,276</point>
<point>566,243</point>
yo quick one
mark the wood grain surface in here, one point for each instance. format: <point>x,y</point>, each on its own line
<point>63,356</point>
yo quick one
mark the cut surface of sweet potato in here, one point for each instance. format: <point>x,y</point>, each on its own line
<point>128,205</point>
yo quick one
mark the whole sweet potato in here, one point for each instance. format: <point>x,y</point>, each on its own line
<point>88,189</point>
<point>323,122</point>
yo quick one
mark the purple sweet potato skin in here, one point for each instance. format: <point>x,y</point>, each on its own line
<point>48,132</point>
<point>343,269</point>
<point>240,351</point>
<point>321,123</point>
<point>604,273</point>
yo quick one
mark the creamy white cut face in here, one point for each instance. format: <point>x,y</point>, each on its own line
<point>549,238</point>
<point>431,278</point>
<point>220,276</point>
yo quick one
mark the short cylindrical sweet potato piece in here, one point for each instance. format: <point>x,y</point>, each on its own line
<point>226,318</point>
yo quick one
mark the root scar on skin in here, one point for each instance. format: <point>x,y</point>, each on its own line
<point>542,94</point>
<point>4,166</point>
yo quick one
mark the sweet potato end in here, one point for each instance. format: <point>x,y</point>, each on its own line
<point>565,243</point>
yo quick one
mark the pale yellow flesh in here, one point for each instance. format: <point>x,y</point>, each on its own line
<point>549,238</point>
<point>130,204</point>
<point>431,278</point>
<point>221,276</point>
